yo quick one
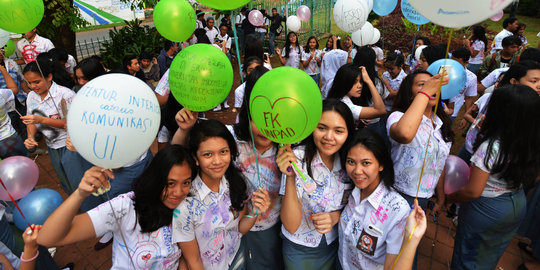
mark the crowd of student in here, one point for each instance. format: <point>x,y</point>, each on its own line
<point>219,196</point>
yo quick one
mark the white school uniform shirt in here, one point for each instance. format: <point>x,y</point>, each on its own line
<point>211,33</point>
<point>387,212</point>
<point>294,56</point>
<point>163,88</point>
<point>408,158</point>
<point>383,92</point>
<point>164,136</point>
<point>239,95</point>
<point>470,90</point>
<point>50,107</point>
<point>199,24</point>
<point>354,51</point>
<point>6,129</point>
<point>153,250</point>
<point>239,19</point>
<point>207,217</point>
<point>495,186</point>
<point>312,68</point>
<point>30,50</point>
<point>493,76</point>
<point>70,64</point>
<point>225,39</point>
<point>379,55</point>
<point>474,129</point>
<point>497,41</point>
<point>270,180</point>
<point>479,46</point>
<point>355,109</point>
<point>333,188</point>
<point>395,83</point>
<point>330,64</point>
<point>260,29</point>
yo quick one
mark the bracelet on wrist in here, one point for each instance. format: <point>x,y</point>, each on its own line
<point>427,95</point>
<point>31,259</point>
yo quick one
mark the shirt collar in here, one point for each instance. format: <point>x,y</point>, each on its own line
<point>318,161</point>
<point>374,198</point>
<point>438,122</point>
<point>203,190</point>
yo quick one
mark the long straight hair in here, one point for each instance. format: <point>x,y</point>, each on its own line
<point>344,80</point>
<point>288,44</point>
<point>367,58</point>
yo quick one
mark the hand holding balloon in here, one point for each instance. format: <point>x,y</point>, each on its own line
<point>284,159</point>
<point>29,237</point>
<point>261,200</point>
<point>186,119</point>
<point>432,85</point>
<point>93,179</point>
<point>30,143</point>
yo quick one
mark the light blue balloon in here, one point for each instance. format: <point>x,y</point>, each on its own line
<point>456,73</point>
<point>384,7</point>
<point>37,206</point>
<point>411,14</point>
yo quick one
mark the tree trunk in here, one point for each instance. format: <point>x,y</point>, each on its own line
<point>62,36</point>
<point>65,38</point>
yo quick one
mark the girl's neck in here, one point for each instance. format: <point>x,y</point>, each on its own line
<point>393,77</point>
<point>364,193</point>
<point>211,183</point>
<point>293,45</point>
<point>261,149</point>
<point>312,49</point>
<point>44,94</point>
<point>327,160</point>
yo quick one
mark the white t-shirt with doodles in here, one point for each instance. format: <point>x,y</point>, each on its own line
<point>313,67</point>
<point>148,250</point>
<point>294,56</point>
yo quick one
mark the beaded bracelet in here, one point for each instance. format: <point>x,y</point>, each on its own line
<point>31,259</point>
<point>427,95</point>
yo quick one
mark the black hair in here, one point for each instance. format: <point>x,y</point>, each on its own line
<point>433,53</point>
<point>206,129</point>
<point>366,57</point>
<point>201,36</point>
<point>288,44</point>
<point>520,25</point>
<point>274,9</point>
<point>508,21</point>
<point>97,57</point>
<point>244,9</point>
<point>479,33</point>
<point>90,68</point>
<point>167,45</point>
<point>426,40</point>
<point>395,59</point>
<point>511,40</point>
<point>373,142</point>
<point>518,159</point>
<point>48,66</point>
<point>250,60</point>
<point>462,53</point>
<point>338,43</point>
<point>127,60</point>
<point>151,213</point>
<point>59,54</point>
<point>241,129</point>
<point>210,18</point>
<point>199,13</point>
<point>532,54</point>
<point>146,55</point>
<point>518,71</point>
<point>254,47</point>
<point>307,49</point>
<point>344,80</point>
<point>328,105</point>
<point>223,24</point>
<point>405,96</point>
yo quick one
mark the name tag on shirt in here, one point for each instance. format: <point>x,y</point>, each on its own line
<point>367,242</point>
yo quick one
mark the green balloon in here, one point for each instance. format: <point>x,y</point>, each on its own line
<point>285,105</point>
<point>9,48</point>
<point>223,4</point>
<point>20,16</point>
<point>174,19</point>
<point>200,77</point>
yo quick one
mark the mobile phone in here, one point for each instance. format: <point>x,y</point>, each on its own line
<point>445,68</point>
<point>266,57</point>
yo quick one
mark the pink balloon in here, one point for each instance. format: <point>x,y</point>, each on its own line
<point>303,13</point>
<point>497,16</point>
<point>457,174</point>
<point>255,17</point>
<point>20,175</point>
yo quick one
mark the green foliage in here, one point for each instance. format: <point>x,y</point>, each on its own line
<point>409,26</point>
<point>58,13</point>
<point>130,39</point>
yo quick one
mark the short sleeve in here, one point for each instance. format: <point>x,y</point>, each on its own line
<point>103,218</point>
<point>305,56</point>
<point>472,87</point>
<point>183,227</point>
<point>490,79</point>
<point>283,52</point>
<point>394,239</point>
<point>239,96</point>
<point>7,95</point>
<point>162,88</point>
<point>392,119</point>
<point>479,156</point>
<point>228,44</point>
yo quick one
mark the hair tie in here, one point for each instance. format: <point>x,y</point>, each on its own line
<point>397,51</point>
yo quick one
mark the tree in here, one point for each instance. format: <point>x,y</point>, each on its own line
<point>59,23</point>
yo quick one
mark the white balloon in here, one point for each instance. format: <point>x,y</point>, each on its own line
<point>293,23</point>
<point>363,36</point>
<point>418,52</point>
<point>350,15</point>
<point>376,36</point>
<point>113,120</point>
<point>458,13</point>
<point>4,37</point>
<point>368,6</point>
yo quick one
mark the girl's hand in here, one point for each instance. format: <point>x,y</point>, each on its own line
<point>186,119</point>
<point>418,217</point>
<point>30,238</point>
<point>284,158</point>
<point>69,145</point>
<point>432,85</point>
<point>278,51</point>
<point>31,119</point>
<point>93,179</point>
<point>261,199</point>
<point>30,143</point>
<point>323,222</point>
<point>365,75</point>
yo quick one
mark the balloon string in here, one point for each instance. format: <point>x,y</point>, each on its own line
<point>6,102</point>
<point>49,87</point>
<point>406,243</point>
<point>16,205</point>
<point>236,41</point>
<point>383,33</point>
<point>412,50</point>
